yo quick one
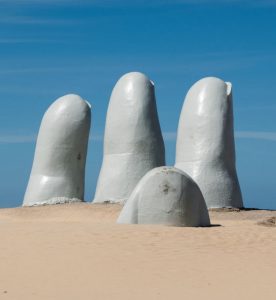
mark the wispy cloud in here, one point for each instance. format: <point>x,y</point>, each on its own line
<point>96,138</point>
<point>51,2</point>
<point>215,62</point>
<point>32,20</point>
<point>17,139</point>
<point>134,2</point>
<point>28,41</point>
<point>28,15</point>
<point>259,135</point>
<point>230,2</point>
<point>167,135</point>
<point>35,70</point>
<point>31,138</point>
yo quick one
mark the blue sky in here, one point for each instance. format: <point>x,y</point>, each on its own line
<point>49,48</point>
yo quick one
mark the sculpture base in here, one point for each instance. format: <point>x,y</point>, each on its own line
<point>55,200</point>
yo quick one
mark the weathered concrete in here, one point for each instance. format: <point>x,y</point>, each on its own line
<point>205,146</point>
<point>168,196</point>
<point>133,142</point>
<point>58,170</point>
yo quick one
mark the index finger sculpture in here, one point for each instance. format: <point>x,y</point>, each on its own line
<point>133,142</point>
<point>57,174</point>
<point>205,146</point>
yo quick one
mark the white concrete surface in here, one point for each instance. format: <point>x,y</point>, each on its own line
<point>133,142</point>
<point>205,147</point>
<point>58,170</point>
<point>168,196</point>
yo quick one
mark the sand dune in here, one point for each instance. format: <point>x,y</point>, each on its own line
<point>76,251</point>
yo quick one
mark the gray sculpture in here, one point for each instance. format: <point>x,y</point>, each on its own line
<point>168,196</point>
<point>205,146</point>
<point>58,170</point>
<point>133,142</point>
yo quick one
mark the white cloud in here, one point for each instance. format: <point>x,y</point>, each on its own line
<point>28,41</point>
<point>167,135</point>
<point>38,2</point>
<point>34,70</point>
<point>52,2</point>
<point>31,20</point>
<point>17,139</point>
<point>31,138</point>
<point>97,138</point>
<point>259,135</point>
<point>113,3</point>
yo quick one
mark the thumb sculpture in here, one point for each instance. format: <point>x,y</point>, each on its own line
<point>58,170</point>
<point>167,196</point>
<point>133,142</point>
<point>205,147</point>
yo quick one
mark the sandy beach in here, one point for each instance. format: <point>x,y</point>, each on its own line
<point>77,251</point>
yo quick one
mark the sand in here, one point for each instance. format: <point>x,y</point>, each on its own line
<point>76,251</point>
